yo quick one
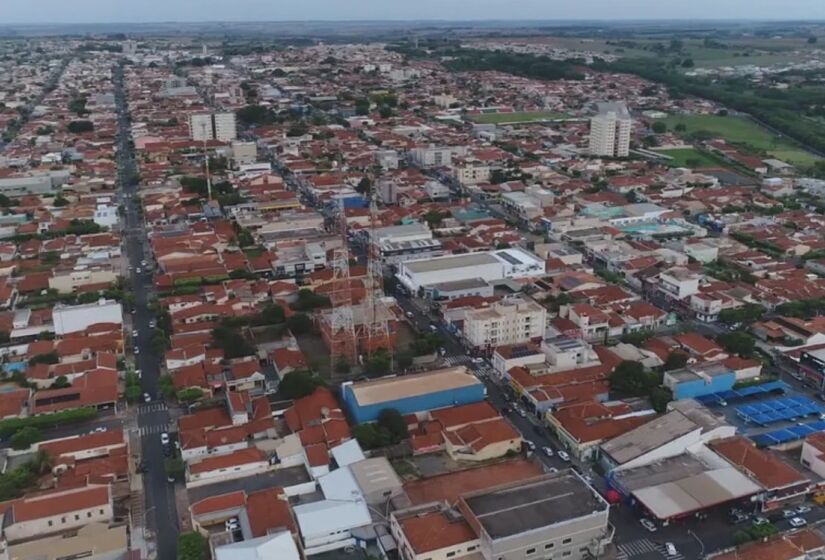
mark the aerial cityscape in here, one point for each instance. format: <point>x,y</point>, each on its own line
<point>395,284</point>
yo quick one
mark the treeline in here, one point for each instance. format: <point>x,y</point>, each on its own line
<point>526,65</point>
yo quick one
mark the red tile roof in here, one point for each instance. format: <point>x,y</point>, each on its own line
<point>434,531</point>
<point>61,501</point>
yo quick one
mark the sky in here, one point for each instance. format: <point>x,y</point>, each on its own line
<point>142,11</point>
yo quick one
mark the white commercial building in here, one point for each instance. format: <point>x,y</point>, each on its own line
<point>489,266</point>
<point>327,524</point>
<point>226,128</point>
<point>77,318</point>
<point>278,545</point>
<point>200,127</point>
<point>610,131</point>
<point>509,321</point>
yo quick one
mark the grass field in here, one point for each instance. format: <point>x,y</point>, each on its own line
<point>523,117</point>
<point>689,157</point>
<point>741,130</point>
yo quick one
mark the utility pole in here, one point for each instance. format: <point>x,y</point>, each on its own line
<point>206,163</point>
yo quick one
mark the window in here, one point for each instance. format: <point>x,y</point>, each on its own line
<point>62,519</point>
<point>549,545</point>
<point>471,548</point>
<point>530,551</point>
<point>88,514</point>
<point>566,553</point>
<point>566,541</point>
<point>50,523</point>
<point>76,517</point>
<point>101,512</point>
<point>450,554</point>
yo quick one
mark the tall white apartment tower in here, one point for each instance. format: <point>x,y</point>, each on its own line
<point>200,127</point>
<point>217,126</point>
<point>610,130</point>
<point>225,128</point>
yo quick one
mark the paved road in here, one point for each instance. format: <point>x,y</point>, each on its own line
<point>161,513</point>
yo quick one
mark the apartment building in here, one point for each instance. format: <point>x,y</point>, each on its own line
<point>610,131</point>
<point>213,126</point>
<point>507,322</point>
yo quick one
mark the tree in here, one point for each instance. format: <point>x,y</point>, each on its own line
<point>79,127</point>
<point>675,360</point>
<point>371,436</point>
<point>687,63</point>
<point>299,324</point>
<point>434,218</point>
<point>61,382</point>
<point>637,338</point>
<point>41,462</point>
<point>166,385</point>
<point>342,367</point>
<point>746,314</point>
<point>362,107</point>
<point>812,40</point>
<point>379,363</point>
<point>659,127</point>
<point>192,546</point>
<point>364,186</point>
<point>133,393</point>
<point>60,201</point>
<point>245,238</point>
<point>190,395</point>
<point>680,127</point>
<point>391,420</point>
<point>174,467</point>
<point>48,358</point>
<point>271,314</point>
<point>255,115</point>
<point>299,383</point>
<point>738,342</point>
<point>404,360</point>
<point>659,398</point>
<point>631,380</point>
<point>25,438</point>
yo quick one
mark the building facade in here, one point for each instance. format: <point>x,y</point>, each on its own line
<point>610,131</point>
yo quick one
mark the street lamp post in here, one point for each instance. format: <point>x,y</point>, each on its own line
<point>701,544</point>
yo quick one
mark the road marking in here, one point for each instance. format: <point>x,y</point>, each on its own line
<point>152,407</point>
<point>155,429</point>
<point>644,546</point>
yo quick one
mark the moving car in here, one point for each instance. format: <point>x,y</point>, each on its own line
<point>530,445</point>
<point>477,360</point>
<point>670,548</point>
<point>563,455</point>
<point>164,438</point>
<point>147,397</point>
<point>648,524</point>
<point>797,522</point>
<point>547,451</point>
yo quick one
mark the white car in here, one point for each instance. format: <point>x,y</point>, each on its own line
<point>670,548</point>
<point>134,333</point>
<point>152,324</point>
<point>797,522</point>
<point>164,438</point>
<point>547,451</point>
<point>522,412</point>
<point>803,509</point>
<point>137,270</point>
<point>409,314</point>
<point>563,455</point>
<point>530,445</point>
<point>137,350</point>
<point>648,524</point>
<point>477,360</point>
<point>147,397</point>
<point>232,524</point>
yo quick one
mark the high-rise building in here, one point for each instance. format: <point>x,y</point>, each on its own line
<point>610,131</point>
<point>225,128</point>
<point>200,127</point>
<point>213,126</point>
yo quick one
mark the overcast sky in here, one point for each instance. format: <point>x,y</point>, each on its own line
<point>102,11</point>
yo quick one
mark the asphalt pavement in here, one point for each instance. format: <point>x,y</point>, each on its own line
<point>161,513</point>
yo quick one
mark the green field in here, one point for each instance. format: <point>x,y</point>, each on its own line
<point>523,117</point>
<point>689,157</point>
<point>743,131</point>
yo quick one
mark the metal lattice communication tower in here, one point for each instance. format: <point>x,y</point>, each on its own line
<point>343,346</point>
<point>376,317</point>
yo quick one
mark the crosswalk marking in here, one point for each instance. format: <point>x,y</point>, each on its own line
<point>154,429</point>
<point>644,546</point>
<point>456,360</point>
<point>152,407</point>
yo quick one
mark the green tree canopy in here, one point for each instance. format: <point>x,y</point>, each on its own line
<point>24,438</point>
<point>738,342</point>
<point>192,546</point>
<point>299,324</point>
<point>630,379</point>
<point>300,383</point>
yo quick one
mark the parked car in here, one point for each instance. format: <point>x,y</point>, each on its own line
<point>547,451</point>
<point>134,333</point>
<point>787,513</point>
<point>530,445</point>
<point>477,360</point>
<point>521,412</point>
<point>164,438</point>
<point>409,314</point>
<point>797,522</point>
<point>803,509</point>
<point>563,455</point>
<point>137,350</point>
<point>231,524</point>
<point>552,470</point>
<point>153,324</point>
<point>670,548</point>
<point>738,517</point>
<point>648,524</point>
<point>147,397</point>
<point>759,521</point>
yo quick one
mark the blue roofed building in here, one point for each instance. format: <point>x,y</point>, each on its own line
<point>699,380</point>
<point>409,394</point>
